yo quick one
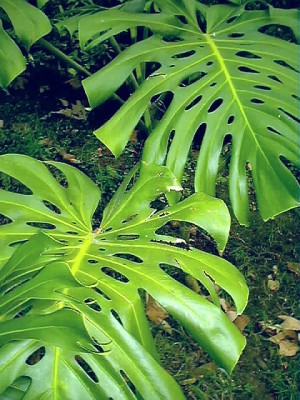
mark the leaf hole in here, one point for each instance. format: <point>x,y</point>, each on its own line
<point>72,233</point>
<point>231,19</point>
<point>41,225</point>
<point>236,35</point>
<point>193,103</point>
<point>128,382</point>
<point>296,97</point>
<point>52,207</point>
<point>230,119</point>
<point>182,19</point>
<point>192,79</point>
<point>248,70</point>
<point>289,115</point>
<point>262,87</point>
<point>116,316</point>
<point>86,368</point>
<point>185,54</point>
<point>201,21</point>
<point>247,54</point>
<point>209,63</point>
<point>92,303</point>
<point>91,261</point>
<point>130,218</point>
<point>25,310</point>
<point>257,101</point>
<point>199,135</point>
<point>4,220</point>
<point>213,84</point>
<point>172,39</point>
<point>36,356</point>
<point>16,243</point>
<point>129,257</point>
<point>114,274</point>
<point>128,237</point>
<point>274,78</point>
<point>286,65</point>
<point>273,130</point>
<point>102,294</point>
<point>215,105</point>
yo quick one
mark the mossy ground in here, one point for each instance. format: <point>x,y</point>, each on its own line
<point>261,250</point>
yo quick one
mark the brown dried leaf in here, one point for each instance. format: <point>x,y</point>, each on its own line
<point>77,110</point>
<point>289,323</point>
<point>241,322</point>
<point>273,285</point>
<point>1,123</point>
<point>157,314</point>
<point>294,267</point>
<point>68,157</point>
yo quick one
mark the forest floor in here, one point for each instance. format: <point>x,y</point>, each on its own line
<point>36,123</point>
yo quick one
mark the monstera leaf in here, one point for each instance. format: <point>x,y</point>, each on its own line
<point>29,24</point>
<point>220,75</point>
<point>103,275</point>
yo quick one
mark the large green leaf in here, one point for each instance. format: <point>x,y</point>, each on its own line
<point>225,77</point>
<point>123,258</point>
<point>30,24</point>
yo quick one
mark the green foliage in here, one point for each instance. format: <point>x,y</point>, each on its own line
<point>220,75</point>
<point>94,280</point>
<point>29,25</point>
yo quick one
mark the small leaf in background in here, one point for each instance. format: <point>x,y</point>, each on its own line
<point>68,157</point>
<point>134,136</point>
<point>287,341</point>
<point>241,322</point>
<point>75,83</point>
<point>47,142</point>
<point>289,323</point>
<point>1,123</point>
<point>157,314</point>
<point>273,285</point>
<point>294,267</point>
<point>75,111</point>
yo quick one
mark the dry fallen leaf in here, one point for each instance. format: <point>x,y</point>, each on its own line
<point>68,157</point>
<point>294,267</point>
<point>273,285</point>
<point>287,341</point>
<point>157,314</point>
<point>289,323</point>
<point>241,322</point>
<point>77,110</point>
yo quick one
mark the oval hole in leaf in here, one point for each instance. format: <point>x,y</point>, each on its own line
<point>236,35</point>
<point>185,54</point>
<point>36,356</point>
<point>92,303</point>
<point>102,294</point>
<point>262,87</point>
<point>231,19</point>
<point>4,220</point>
<point>128,237</point>
<point>215,105</point>
<point>41,225</point>
<point>128,382</point>
<point>213,84</point>
<point>72,233</point>
<point>192,79</point>
<point>114,274</point>
<point>86,368</point>
<point>172,39</point>
<point>274,78</point>
<point>273,130</point>
<point>53,207</point>
<point>198,137</point>
<point>296,97</point>
<point>13,185</point>
<point>193,103</point>
<point>201,21</point>
<point>246,54</point>
<point>248,70</point>
<point>182,19</point>
<point>13,244</point>
<point>130,218</point>
<point>25,311</point>
<point>209,63</point>
<point>286,65</point>
<point>116,316</point>
<point>91,261</point>
<point>129,257</point>
<point>230,119</point>
<point>291,116</point>
<point>257,101</point>
<point>97,346</point>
